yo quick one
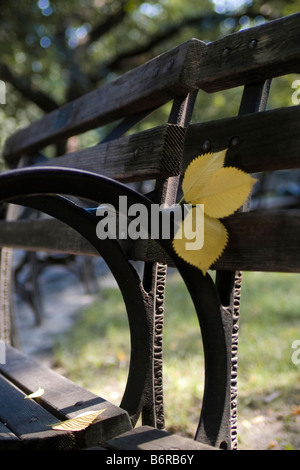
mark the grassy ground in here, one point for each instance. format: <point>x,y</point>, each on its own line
<point>95,353</point>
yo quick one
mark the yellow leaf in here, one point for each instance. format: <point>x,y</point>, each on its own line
<point>199,171</point>
<point>215,240</point>
<point>192,228</point>
<point>221,191</point>
<point>36,394</point>
<point>225,191</point>
<point>81,421</point>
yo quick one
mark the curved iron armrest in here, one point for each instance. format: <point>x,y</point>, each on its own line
<point>38,188</point>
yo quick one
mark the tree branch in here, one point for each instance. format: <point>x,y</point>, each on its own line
<point>138,52</point>
<point>23,85</point>
<point>105,26</point>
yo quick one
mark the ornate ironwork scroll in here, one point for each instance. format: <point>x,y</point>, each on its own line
<point>158,344</point>
<point>234,357</point>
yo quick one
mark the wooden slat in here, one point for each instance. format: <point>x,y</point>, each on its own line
<point>62,398</point>
<point>265,141</point>
<point>266,241</point>
<point>258,241</point>
<point>147,438</point>
<point>255,54</point>
<point>170,75</point>
<point>47,235</point>
<point>8,440</point>
<point>251,55</point>
<point>155,153</point>
<point>30,421</point>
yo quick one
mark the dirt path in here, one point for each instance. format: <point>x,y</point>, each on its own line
<point>268,429</point>
<point>63,297</point>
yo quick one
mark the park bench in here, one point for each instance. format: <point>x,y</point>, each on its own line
<point>65,187</point>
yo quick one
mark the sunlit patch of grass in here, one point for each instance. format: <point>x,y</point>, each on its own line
<point>95,352</point>
<point>269,323</point>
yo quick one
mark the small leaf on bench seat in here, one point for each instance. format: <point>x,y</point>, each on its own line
<point>81,421</point>
<point>36,394</point>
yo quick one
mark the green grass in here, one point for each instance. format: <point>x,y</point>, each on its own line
<point>96,350</point>
<point>270,321</point>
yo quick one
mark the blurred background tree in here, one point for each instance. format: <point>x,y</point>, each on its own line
<point>53,51</point>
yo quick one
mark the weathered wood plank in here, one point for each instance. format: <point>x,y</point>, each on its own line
<point>266,241</point>
<point>8,440</point>
<point>257,142</point>
<point>258,241</point>
<point>155,153</point>
<point>168,76</point>
<point>30,421</point>
<point>63,399</point>
<point>147,438</point>
<point>251,55</point>
<point>49,235</point>
<point>266,51</point>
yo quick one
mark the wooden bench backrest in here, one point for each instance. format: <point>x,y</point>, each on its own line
<point>266,141</point>
<point>248,56</point>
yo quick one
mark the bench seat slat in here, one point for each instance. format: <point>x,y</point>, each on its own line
<point>8,440</point>
<point>62,399</point>
<point>30,421</point>
<point>147,438</point>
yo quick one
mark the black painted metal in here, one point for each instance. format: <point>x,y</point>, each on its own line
<point>125,125</point>
<point>14,187</point>
<point>228,283</point>
<point>136,302</point>
<point>154,280</point>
